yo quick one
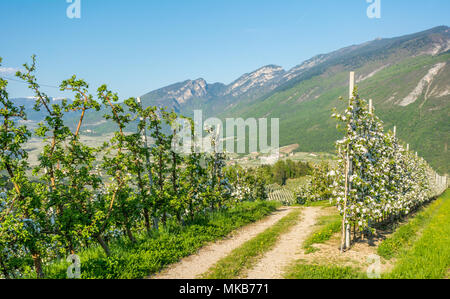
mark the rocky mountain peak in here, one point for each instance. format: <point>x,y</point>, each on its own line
<point>306,65</point>
<point>188,90</point>
<point>259,78</point>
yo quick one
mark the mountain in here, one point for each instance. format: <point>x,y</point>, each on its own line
<point>407,77</point>
<point>186,96</point>
<point>32,115</point>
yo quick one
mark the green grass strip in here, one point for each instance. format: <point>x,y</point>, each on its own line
<point>329,225</point>
<point>321,203</point>
<point>405,236</point>
<point>246,256</point>
<point>152,253</point>
<point>429,257</point>
<point>303,271</point>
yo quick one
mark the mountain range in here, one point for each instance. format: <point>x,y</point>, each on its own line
<point>407,77</point>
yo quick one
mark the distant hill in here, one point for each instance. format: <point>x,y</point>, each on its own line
<point>214,98</point>
<point>28,104</point>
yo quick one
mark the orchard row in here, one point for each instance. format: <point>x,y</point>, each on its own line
<point>377,178</point>
<point>80,195</point>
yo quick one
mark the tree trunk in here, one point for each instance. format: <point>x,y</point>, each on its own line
<point>174,172</point>
<point>130,234</point>
<point>191,210</point>
<point>103,245</point>
<point>38,264</point>
<point>142,192</point>
<point>128,229</point>
<point>147,220</point>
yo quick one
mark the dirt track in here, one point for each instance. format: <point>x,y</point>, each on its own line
<point>197,264</point>
<point>288,248</point>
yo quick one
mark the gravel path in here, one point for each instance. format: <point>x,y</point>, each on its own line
<point>288,248</point>
<point>193,266</point>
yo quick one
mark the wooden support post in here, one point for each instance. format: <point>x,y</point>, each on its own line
<point>144,139</point>
<point>147,160</point>
<point>352,84</point>
<point>395,131</point>
<point>348,235</point>
<point>344,219</point>
<point>407,147</point>
<point>370,106</point>
<point>346,229</point>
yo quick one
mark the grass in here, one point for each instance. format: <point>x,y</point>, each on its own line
<point>303,271</point>
<point>422,248</point>
<point>294,184</point>
<point>328,226</point>
<point>152,253</point>
<point>247,255</point>
<point>429,256</point>
<point>321,203</point>
<point>405,236</point>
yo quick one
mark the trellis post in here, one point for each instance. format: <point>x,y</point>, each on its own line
<point>346,235</point>
<point>352,84</point>
<point>147,158</point>
<point>144,139</point>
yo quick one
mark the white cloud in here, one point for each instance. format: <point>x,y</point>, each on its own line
<point>8,71</point>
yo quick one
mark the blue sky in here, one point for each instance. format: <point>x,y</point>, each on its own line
<point>136,46</point>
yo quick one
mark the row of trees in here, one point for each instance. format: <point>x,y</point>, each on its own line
<point>283,170</point>
<point>317,187</point>
<point>377,178</point>
<point>81,195</point>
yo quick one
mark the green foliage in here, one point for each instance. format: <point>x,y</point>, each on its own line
<point>303,271</point>
<point>248,184</point>
<point>82,195</point>
<point>281,171</point>
<point>23,213</point>
<point>328,226</point>
<point>377,178</point>
<point>407,234</point>
<point>319,187</point>
<point>429,257</point>
<point>151,253</point>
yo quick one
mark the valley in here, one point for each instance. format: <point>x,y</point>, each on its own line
<point>406,77</point>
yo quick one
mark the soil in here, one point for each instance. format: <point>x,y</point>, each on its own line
<point>288,248</point>
<point>193,266</point>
